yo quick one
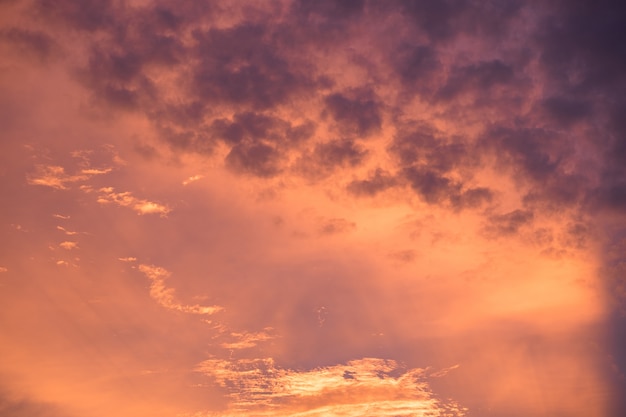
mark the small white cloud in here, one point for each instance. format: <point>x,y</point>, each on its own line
<point>126,199</point>
<point>69,245</point>
<point>192,179</point>
<point>67,232</point>
<point>127,259</point>
<point>245,340</point>
<point>94,171</point>
<point>53,176</point>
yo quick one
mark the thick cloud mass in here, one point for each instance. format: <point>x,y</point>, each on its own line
<point>308,208</point>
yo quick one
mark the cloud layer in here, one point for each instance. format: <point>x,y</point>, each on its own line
<point>313,208</point>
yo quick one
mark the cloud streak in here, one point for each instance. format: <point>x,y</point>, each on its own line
<point>166,296</point>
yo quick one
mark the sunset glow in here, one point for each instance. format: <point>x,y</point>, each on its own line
<point>312,208</point>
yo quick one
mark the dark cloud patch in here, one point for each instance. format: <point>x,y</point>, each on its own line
<point>446,19</point>
<point>509,223</point>
<point>329,156</point>
<point>328,9</point>
<point>31,42</point>
<point>259,159</point>
<point>378,181</point>
<point>405,256</point>
<point>253,127</point>
<point>611,194</point>
<point>425,147</point>
<point>472,198</point>
<point>337,153</point>
<point>480,78</point>
<point>178,139</point>
<point>357,112</point>
<point>583,44</point>
<point>335,226</point>
<point>566,111</point>
<point>14,406</point>
<point>241,66</point>
<point>430,185</point>
<point>89,15</point>
<point>534,151</point>
<point>416,64</point>
<point>259,141</point>
<point>435,18</point>
<point>248,126</point>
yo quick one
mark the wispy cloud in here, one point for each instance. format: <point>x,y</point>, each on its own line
<point>53,176</point>
<point>69,245</point>
<point>166,296</point>
<point>192,179</point>
<point>126,199</point>
<point>245,340</point>
<point>368,386</point>
<point>67,232</point>
<point>127,259</point>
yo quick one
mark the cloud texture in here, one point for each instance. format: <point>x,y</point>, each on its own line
<point>313,208</point>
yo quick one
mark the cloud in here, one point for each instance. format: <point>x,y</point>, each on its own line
<point>378,181</point>
<point>357,113</point>
<point>69,245</point>
<point>336,226</point>
<point>12,405</point>
<point>126,199</point>
<point>31,42</point>
<point>165,296</point>
<point>53,176</point>
<point>369,385</point>
<point>193,178</point>
<point>127,259</point>
<point>67,232</point>
<point>509,223</point>
<point>245,340</point>
<point>329,157</point>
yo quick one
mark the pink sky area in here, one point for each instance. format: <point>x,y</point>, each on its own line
<point>296,208</point>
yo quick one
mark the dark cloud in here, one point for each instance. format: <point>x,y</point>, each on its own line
<point>259,159</point>
<point>241,66</point>
<point>357,112</point>
<point>430,185</point>
<point>378,181</point>
<point>472,198</point>
<point>31,42</point>
<point>340,152</point>
<point>416,64</point>
<point>328,9</point>
<point>436,18</point>
<point>14,406</point>
<point>508,223</point>
<point>423,145</point>
<point>478,78</point>
<point>327,157</point>
<point>253,127</point>
<point>566,111</point>
<point>446,19</point>
<point>89,15</point>
<point>583,43</point>
<point>247,125</point>
<point>334,226</point>
<point>534,151</point>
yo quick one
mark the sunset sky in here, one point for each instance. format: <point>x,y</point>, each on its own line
<point>312,208</point>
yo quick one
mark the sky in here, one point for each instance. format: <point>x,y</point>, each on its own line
<point>297,208</point>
